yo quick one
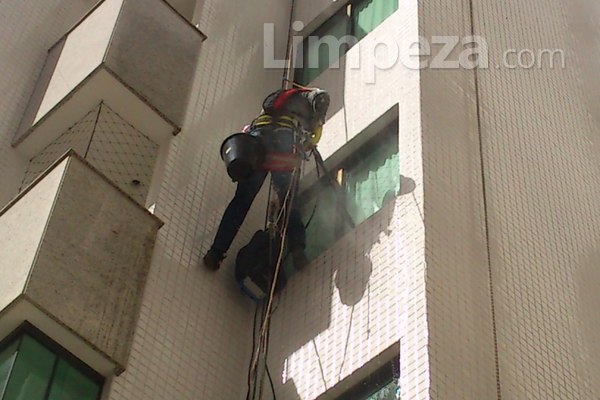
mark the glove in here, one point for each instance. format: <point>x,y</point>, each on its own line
<point>316,135</point>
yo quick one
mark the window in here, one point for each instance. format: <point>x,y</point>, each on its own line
<point>380,385</point>
<point>368,14</point>
<point>365,181</point>
<point>330,41</point>
<point>387,392</point>
<point>31,370</point>
<point>319,54</point>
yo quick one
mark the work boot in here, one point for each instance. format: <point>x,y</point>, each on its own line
<point>212,260</point>
<point>299,258</point>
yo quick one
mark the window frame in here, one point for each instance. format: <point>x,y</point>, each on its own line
<point>350,156</point>
<point>348,9</point>
<point>325,26</point>
<point>384,375</point>
<point>28,329</point>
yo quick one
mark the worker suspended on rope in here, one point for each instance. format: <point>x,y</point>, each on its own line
<point>290,124</point>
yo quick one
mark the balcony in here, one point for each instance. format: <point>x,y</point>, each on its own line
<point>138,57</point>
<point>75,252</point>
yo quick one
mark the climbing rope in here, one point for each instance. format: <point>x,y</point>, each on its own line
<point>272,223</point>
<point>261,348</point>
<point>263,339</point>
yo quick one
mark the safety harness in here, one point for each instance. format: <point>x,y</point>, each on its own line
<point>282,121</point>
<point>279,161</point>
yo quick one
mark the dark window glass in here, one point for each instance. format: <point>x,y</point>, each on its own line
<point>380,385</point>
<point>31,371</point>
<point>372,177</point>
<point>366,181</point>
<point>325,223</point>
<point>324,47</point>
<point>341,31</point>
<point>71,384</point>
<point>388,392</point>
<point>7,360</point>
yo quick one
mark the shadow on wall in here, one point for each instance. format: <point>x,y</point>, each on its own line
<point>352,280</point>
<point>305,307</point>
<point>288,391</point>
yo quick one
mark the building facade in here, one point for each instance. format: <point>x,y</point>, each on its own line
<point>473,268</point>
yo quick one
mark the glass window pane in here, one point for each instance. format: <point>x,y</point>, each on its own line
<point>321,232</point>
<point>371,179</point>
<point>7,358</point>
<point>374,179</point>
<point>368,14</point>
<point>380,385</point>
<point>70,384</point>
<point>388,392</point>
<point>31,372</point>
<point>324,47</point>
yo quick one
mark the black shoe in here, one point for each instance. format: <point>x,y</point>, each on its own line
<point>212,260</point>
<point>300,259</point>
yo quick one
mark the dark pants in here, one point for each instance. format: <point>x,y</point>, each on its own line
<point>280,140</point>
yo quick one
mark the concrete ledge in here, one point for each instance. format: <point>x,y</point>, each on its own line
<point>23,310</point>
<point>75,251</point>
<point>139,57</point>
<point>100,86</point>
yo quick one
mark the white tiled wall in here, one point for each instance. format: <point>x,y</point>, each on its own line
<point>28,28</point>
<point>541,136</point>
<point>459,319</point>
<point>538,131</point>
<point>194,335</point>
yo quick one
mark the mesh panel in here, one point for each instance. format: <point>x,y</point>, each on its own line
<point>77,138</point>
<point>110,144</point>
<point>123,154</point>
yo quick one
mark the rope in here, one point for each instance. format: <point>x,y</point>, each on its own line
<point>299,86</point>
<point>252,355</point>
<point>263,343</point>
<point>284,212</point>
<point>286,207</point>
<point>287,72</point>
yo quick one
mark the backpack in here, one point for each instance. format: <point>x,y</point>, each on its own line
<point>253,270</point>
<point>288,102</point>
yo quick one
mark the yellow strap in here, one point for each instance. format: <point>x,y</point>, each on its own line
<point>264,118</point>
<point>284,121</point>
